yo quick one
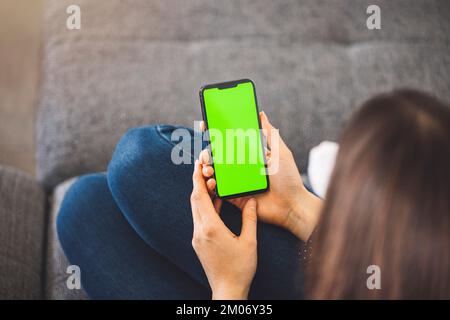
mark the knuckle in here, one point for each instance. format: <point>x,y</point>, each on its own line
<point>196,239</point>
<point>209,232</point>
<point>195,196</point>
<point>203,235</point>
<point>194,242</point>
<point>252,216</point>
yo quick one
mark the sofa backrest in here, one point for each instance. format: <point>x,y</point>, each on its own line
<point>136,62</point>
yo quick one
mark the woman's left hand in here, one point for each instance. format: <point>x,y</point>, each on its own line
<point>229,261</point>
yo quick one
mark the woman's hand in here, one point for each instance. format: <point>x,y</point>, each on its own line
<point>229,261</point>
<point>287,204</point>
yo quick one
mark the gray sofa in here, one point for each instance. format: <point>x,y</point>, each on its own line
<point>142,62</point>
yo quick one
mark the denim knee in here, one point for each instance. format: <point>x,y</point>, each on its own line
<point>139,145</point>
<point>140,153</point>
<point>75,207</point>
<point>132,148</point>
<point>133,152</point>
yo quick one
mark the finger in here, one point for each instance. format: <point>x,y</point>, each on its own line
<point>202,126</point>
<point>249,220</point>
<point>239,202</point>
<point>270,132</point>
<point>234,202</point>
<point>267,127</point>
<point>197,179</point>
<point>207,171</point>
<point>217,205</point>
<point>211,185</point>
<point>268,162</point>
<point>268,153</point>
<point>204,157</point>
<point>194,206</point>
<point>201,203</point>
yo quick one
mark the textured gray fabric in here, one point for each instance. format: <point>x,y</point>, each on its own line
<point>57,263</point>
<point>340,21</point>
<point>143,61</point>
<point>22,221</point>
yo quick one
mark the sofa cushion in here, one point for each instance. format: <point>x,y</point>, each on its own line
<point>57,263</point>
<point>22,225</point>
<point>143,61</point>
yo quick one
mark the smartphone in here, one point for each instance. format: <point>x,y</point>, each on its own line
<point>233,130</point>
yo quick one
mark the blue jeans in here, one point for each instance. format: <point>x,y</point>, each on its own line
<point>130,230</point>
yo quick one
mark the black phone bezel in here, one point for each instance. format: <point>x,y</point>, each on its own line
<point>225,85</point>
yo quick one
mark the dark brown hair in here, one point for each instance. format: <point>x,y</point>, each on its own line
<point>388,203</point>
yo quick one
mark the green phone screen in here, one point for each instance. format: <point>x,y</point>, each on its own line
<point>231,116</point>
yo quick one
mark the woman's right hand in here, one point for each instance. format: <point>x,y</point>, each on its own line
<point>287,203</point>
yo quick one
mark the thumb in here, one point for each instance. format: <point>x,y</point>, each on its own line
<point>271,133</point>
<point>249,220</point>
<point>267,127</point>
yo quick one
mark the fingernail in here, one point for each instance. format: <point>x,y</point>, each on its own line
<point>264,114</point>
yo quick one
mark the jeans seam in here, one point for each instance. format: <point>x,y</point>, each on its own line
<point>170,142</point>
